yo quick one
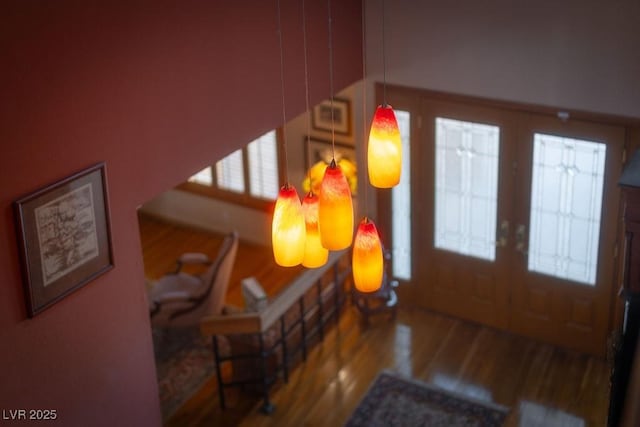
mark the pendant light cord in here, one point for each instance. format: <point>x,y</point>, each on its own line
<point>365,139</point>
<point>333,131</point>
<point>384,63</point>
<point>284,112</point>
<point>306,92</point>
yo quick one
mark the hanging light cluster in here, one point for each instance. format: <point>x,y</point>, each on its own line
<point>304,233</point>
<point>327,219</point>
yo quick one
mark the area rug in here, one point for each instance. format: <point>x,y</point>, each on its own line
<point>393,400</point>
<point>184,361</point>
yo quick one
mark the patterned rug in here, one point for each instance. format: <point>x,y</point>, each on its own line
<point>393,400</point>
<point>184,361</point>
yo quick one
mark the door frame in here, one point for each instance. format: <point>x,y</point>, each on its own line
<point>408,99</point>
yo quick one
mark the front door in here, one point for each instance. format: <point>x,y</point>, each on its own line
<point>466,187</point>
<point>565,231</point>
<point>516,219</point>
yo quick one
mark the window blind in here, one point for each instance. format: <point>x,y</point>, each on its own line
<point>263,166</point>
<point>230,173</point>
<point>203,177</point>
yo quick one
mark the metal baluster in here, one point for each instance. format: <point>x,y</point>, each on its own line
<point>303,328</point>
<point>285,353</point>
<point>216,355</point>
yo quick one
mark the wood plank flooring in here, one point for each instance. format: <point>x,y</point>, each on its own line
<point>542,384</point>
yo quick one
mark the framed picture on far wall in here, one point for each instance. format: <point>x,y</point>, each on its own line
<point>321,116</point>
<point>64,237</point>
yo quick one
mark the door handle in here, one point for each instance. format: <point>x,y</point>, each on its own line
<point>503,234</point>
<point>521,231</point>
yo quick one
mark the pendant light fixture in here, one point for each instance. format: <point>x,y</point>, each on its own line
<point>315,255</point>
<point>367,262</point>
<point>288,233</point>
<point>335,210</point>
<point>385,146</point>
<point>385,149</point>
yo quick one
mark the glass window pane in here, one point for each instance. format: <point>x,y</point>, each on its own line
<point>566,203</point>
<point>229,173</point>
<point>401,205</point>
<point>263,166</point>
<point>203,177</point>
<point>466,201</point>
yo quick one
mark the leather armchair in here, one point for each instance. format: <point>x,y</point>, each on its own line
<point>180,299</point>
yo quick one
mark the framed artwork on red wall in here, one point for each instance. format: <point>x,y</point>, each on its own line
<point>64,237</point>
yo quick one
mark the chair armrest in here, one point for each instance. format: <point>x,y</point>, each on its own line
<point>174,296</point>
<point>170,301</point>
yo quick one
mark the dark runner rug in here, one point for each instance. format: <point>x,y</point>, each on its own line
<point>393,400</point>
<point>184,361</point>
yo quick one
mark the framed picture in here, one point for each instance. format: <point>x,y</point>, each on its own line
<point>64,237</point>
<point>321,116</point>
<point>319,152</point>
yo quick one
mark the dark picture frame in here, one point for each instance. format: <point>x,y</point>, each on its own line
<point>64,237</point>
<point>321,116</point>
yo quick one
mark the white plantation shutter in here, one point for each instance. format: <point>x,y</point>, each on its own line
<point>263,176</point>
<point>230,173</point>
<point>203,177</point>
<point>263,166</point>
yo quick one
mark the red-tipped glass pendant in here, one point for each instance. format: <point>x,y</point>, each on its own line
<point>335,211</point>
<point>288,229</point>
<point>384,154</point>
<point>315,255</point>
<point>367,257</point>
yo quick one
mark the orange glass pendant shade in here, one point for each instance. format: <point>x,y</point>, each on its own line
<point>384,154</point>
<point>288,228</point>
<point>335,210</point>
<point>315,255</point>
<point>367,258</point>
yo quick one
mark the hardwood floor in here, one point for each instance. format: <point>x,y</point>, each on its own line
<point>543,385</point>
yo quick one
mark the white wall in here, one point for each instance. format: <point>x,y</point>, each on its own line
<point>203,212</point>
<point>571,54</point>
<point>253,225</point>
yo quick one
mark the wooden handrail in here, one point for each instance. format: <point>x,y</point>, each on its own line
<point>254,323</point>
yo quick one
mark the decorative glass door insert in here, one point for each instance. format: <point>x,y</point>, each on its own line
<point>466,187</point>
<point>566,205</point>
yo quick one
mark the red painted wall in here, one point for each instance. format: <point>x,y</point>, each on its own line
<point>157,89</point>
